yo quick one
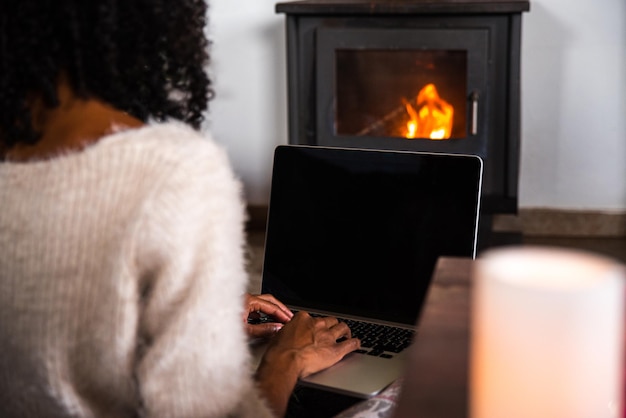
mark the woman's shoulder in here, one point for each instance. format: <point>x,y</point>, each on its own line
<point>167,138</point>
<point>164,145</point>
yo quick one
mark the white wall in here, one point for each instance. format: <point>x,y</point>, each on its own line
<point>574,105</point>
<point>249,112</point>
<point>573,99</point>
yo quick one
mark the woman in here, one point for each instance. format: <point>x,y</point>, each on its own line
<point>121,242</point>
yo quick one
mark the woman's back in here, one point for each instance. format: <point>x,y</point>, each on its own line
<point>108,253</point>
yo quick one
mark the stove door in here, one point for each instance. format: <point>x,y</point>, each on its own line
<point>416,89</point>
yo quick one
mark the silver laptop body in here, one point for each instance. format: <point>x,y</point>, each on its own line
<point>356,233</point>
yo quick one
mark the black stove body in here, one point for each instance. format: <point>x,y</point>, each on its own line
<point>417,75</point>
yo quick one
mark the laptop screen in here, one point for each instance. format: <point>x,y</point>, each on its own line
<point>358,232</point>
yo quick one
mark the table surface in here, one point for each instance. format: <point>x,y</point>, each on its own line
<point>435,385</point>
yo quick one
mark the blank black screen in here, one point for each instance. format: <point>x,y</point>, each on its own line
<point>359,231</point>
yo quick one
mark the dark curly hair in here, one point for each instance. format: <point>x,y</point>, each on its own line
<point>144,57</point>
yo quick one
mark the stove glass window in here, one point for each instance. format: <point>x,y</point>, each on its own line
<point>405,93</point>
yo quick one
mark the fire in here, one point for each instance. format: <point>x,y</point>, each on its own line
<point>433,119</point>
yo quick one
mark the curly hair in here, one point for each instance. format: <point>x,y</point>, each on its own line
<point>144,57</point>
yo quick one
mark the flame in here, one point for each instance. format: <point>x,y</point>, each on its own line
<point>433,119</point>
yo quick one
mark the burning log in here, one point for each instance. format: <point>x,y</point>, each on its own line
<point>380,124</point>
<point>429,117</point>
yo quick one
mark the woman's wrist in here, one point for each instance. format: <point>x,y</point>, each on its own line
<point>276,377</point>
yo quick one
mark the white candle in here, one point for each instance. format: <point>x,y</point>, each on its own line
<point>547,334</point>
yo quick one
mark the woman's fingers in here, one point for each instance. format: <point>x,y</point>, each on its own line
<point>263,330</point>
<point>278,304</point>
<point>341,330</point>
<point>268,305</point>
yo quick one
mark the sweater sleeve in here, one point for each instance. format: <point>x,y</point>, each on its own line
<point>192,358</point>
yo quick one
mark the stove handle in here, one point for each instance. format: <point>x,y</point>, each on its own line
<point>474,99</point>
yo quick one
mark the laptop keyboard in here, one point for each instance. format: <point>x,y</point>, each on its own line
<point>378,340</point>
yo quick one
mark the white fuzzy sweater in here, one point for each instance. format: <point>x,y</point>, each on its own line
<point>121,282</point>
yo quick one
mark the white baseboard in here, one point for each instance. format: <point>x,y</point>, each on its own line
<point>563,223</point>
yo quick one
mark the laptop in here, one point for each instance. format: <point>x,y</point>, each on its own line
<point>356,233</point>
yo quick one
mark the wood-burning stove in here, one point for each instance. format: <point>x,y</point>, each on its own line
<point>421,75</point>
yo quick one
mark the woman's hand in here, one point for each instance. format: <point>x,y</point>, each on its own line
<point>264,315</point>
<point>311,343</point>
<point>304,346</point>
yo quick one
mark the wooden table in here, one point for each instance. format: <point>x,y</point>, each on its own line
<point>436,382</point>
